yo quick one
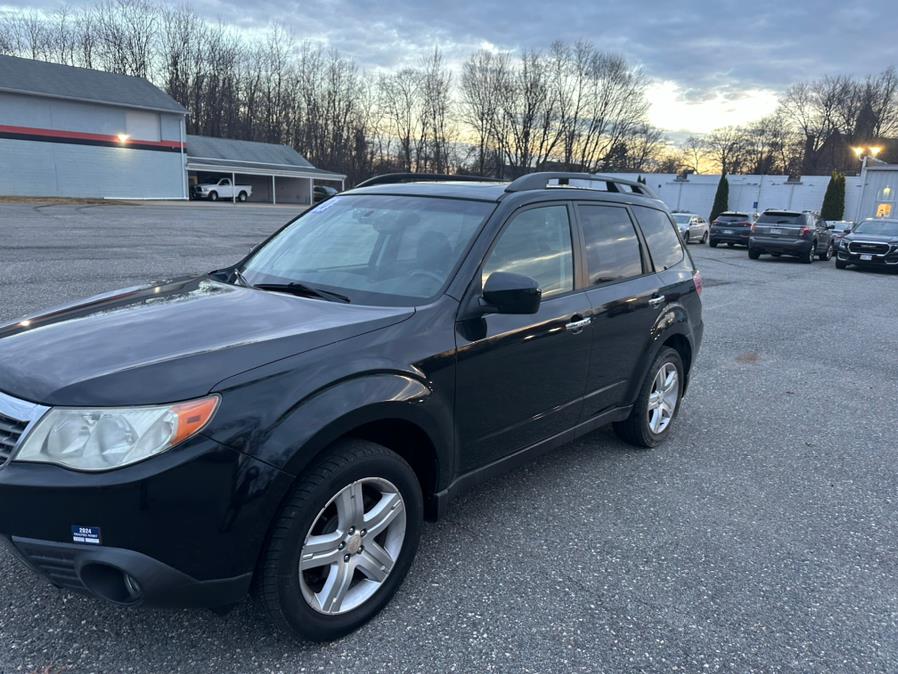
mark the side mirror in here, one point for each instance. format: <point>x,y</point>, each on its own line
<point>507,293</point>
<point>830,226</point>
<point>847,230</point>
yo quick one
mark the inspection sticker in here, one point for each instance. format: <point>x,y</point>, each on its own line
<point>86,535</point>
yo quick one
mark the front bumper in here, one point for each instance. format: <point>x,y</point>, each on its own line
<point>889,261</point>
<point>784,246</point>
<point>184,528</point>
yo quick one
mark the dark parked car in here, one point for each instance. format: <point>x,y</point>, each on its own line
<point>872,243</point>
<point>800,234</point>
<point>731,228</point>
<point>290,420</point>
<point>322,192</point>
<point>839,229</point>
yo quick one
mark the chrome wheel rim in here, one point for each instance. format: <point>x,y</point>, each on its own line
<point>352,546</point>
<point>663,398</point>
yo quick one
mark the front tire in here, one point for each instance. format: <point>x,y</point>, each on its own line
<point>213,196</point>
<point>656,407</point>
<point>827,254</point>
<point>704,238</point>
<point>343,542</point>
<point>840,264</point>
<point>712,243</point>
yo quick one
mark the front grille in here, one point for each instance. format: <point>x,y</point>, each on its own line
<point>868,247</point>
<point>54,561</point>
<point>10,432</point>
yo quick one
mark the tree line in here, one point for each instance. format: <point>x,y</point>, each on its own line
<point>812,132</point>
<point>567,107</point>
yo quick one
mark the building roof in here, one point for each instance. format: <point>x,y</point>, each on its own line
<point>53,80</point>
<point>205,153</point>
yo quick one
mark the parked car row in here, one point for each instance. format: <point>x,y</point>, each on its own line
<point>804,235</point>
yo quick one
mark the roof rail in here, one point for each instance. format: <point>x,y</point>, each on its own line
<point>391,178</point>
<point>541,180</point>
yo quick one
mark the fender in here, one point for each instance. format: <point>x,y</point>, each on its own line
<point>673,320</point>
<point>337,410</point>
<point>289,435</point>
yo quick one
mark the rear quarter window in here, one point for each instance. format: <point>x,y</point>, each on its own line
<point>661,236</point>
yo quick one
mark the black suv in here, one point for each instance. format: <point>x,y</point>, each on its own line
<point>292,419</point>
<point>800,234</point>
<point>872,243</point>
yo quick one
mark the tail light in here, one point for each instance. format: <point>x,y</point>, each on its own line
<point>754,228</point>
<point>699,283</point>
<point>805,231</point>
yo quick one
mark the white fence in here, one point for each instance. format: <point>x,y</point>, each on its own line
<point>748,193</point>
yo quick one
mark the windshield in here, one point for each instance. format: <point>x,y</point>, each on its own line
<point>375,249</point>
<point>682,218</point>
<point>878,228</point>
<point>782,219</point>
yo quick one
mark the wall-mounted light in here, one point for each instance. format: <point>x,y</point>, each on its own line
<point>123,137</point>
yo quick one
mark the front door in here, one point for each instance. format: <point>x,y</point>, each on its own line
<point>521,379</point>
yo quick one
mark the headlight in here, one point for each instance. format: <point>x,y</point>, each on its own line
<point>105,438</point>
<point>843,243</point>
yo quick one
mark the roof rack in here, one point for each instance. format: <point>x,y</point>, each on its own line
<point>391,178</point>
<point>541,180</point>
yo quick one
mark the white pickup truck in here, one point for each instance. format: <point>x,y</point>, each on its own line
<point>223,189</point>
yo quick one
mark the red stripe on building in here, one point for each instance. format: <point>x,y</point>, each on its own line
<point>98,137</point>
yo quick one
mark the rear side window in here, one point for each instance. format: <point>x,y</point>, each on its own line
<point>661,237</point>
<point>612,248</point>
<point>536,243</point>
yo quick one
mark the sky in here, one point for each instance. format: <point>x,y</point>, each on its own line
<point>710,63</point>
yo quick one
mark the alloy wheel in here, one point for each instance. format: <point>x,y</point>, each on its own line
<point>663,398</point>
<point>352,546</point>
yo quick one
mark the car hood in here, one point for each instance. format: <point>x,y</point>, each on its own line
<point>860,236</point>
<point>168,342</point>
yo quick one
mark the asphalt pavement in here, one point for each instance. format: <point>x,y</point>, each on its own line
<point>762,537</point>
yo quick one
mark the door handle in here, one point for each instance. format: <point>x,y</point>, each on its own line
<point>657,301</point>
<point>577,325</point>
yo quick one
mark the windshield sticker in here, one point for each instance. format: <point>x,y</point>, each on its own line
<point>86,535</point>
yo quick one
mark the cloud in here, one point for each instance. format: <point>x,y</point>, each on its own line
<point>728,50</point>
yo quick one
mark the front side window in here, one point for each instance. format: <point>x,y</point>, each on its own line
<point>612,248</point>
<point>536,243</point>
<point>661,237</point>
<point>375,249</point>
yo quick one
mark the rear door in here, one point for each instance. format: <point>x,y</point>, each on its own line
<point>521,378</point>
<point>623,292</point>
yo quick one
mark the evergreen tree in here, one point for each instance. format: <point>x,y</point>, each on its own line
<point>721,198</point>
<point>834,199</point>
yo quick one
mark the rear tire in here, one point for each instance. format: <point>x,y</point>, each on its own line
<point>636,429</point>
<point>808,257</point>
<point>753,254</point>
<point>712,243</point>
<point>730,245</point>
<point>241,197</point>
<point>308,602</point>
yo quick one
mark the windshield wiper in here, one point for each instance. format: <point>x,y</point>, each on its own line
<point>302,289</point>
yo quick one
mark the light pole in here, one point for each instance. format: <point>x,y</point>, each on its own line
<point>863,152</point>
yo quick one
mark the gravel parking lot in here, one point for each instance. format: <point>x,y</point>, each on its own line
<point>762,537</point>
